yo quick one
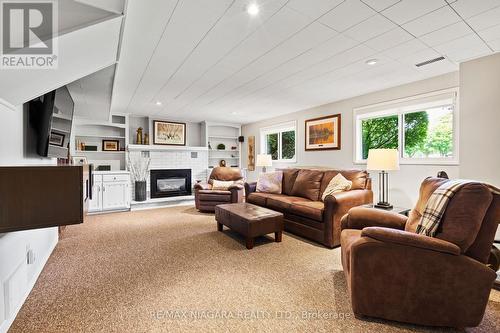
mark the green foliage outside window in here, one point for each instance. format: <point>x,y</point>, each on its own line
<point>288,145</point>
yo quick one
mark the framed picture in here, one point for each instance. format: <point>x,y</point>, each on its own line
<point>169,133</point>
<point>110,145</point>
<point>56,139</point>
<point>251,153</point>
<point>79,160</point>
<point>323,133</point>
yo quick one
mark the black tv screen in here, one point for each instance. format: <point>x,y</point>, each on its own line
<point>51,115</point>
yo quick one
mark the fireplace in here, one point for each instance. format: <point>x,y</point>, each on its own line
<point>170,183</point>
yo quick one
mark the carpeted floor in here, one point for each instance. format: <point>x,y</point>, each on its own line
<point>169,270</point>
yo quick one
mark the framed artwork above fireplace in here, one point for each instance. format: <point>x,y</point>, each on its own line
<point>169,133</point>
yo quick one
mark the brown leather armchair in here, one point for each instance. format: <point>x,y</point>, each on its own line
<point>206,198</point>
<point>396,274</point>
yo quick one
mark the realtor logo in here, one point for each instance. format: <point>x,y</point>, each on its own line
<point>28,36</point>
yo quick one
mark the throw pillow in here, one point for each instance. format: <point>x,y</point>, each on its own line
<point>270,182</point>
<point>337,184</point>
<point>221,185</point>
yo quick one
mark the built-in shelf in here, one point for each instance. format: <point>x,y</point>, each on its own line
<point>118,137</point>
<point>164,148</point>
<point>223,137</point>
<point>60,130</point>
<point>105,124</point>
<point>223,150</point>
<point>62,116</point>
<point>224,158</point>
<point>98,152</point>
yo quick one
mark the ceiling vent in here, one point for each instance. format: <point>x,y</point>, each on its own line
<point>428,62</point>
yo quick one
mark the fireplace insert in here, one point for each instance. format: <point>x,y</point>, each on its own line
<point>170,183</point>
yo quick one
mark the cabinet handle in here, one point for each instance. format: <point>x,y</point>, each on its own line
<point>104,188</point>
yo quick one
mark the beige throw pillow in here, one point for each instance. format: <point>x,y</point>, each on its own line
<point>221,185</point>
<point>270,182</point>
<point>337,184</point>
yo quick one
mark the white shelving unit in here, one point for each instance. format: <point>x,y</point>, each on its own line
<point>214,134</point>
<point>92,133</point>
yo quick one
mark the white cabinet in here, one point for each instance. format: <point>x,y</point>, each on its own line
<point>110,192</point>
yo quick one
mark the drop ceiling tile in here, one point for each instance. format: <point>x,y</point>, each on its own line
<point>346,15</point>
<point>485,20</point>
<point>370,28</point>
<point>418,57</point>
<point>495,44</point>
<point>408,10</point>
<point>380,5</point>
<point>389,39</point>
<point>468,8</point>
<point>490,33</point>
<point>405,49</point>
<point>320,6</point>
<point>446,34</point>
<point>433,21</point>
<point>464,48</point>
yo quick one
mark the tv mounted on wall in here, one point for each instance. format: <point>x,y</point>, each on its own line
<point>51,116</point>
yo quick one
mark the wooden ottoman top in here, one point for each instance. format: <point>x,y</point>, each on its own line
<point>247,211</point>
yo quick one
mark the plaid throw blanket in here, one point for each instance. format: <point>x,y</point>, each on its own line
<point>438,201</point>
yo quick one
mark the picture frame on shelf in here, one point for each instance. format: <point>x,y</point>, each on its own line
<point>56,139</point>
<point>110,145</point>
<point>169,133</point>
<point>323,133</point>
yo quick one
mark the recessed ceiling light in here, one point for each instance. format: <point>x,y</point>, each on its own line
<point>158,103</point>
<point>234,113</point>
<point>253,9</point>
<point>371,62</point>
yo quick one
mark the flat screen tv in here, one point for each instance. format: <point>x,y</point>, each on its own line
<point>51,116</point>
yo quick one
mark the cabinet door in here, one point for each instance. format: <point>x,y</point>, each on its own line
<point>95,205</point>
<point>115,195</point>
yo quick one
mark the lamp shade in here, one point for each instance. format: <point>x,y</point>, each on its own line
<point>383,159</point>
<point>264,160</point>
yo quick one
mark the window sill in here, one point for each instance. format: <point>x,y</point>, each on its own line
<point>428,162</point>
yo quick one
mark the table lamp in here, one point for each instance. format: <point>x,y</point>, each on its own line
<point>383,160</point>
<point>264,160</point>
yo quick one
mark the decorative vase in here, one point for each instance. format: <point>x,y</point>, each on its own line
<point>138,138</point>
<point>146,138</point>
<point>140,190</point>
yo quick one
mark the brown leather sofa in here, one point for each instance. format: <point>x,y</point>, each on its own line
<point>206,199</point>
<point>300,202</point>
<point>396,274</point>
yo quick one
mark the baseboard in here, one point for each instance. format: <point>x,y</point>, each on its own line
<point>8,321</point>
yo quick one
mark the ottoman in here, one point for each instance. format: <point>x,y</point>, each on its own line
<point>249,221</point>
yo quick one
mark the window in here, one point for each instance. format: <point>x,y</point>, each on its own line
<point>279,141</point>
<point>421,128</point>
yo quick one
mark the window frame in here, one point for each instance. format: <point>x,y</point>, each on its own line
<point>403,106</point>
<point>279,129</point>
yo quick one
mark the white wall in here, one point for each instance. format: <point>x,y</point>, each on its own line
<point>480,119</point>
<point>404,184</point>
<point>16,277</point>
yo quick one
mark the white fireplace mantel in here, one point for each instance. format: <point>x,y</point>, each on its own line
<point>164,148</point>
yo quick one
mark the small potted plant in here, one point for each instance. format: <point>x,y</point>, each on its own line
<point>221,146</point>
<point>139,168</point>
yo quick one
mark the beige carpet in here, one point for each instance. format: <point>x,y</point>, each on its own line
<point>144,271</point>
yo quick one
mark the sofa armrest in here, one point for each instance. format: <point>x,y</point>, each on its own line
<point>237,193</point>
<point>250,188</point>
<point>235,187</point>
<point>340,201</point>
<point>362,217</point>
<point>410,239</point>
<point>202,186</point>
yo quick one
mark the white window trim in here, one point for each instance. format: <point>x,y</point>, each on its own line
<point>278,128</point>
<point>390,108</point>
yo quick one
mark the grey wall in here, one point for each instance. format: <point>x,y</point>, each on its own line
<point>404,184</point>
<point>480,119</point>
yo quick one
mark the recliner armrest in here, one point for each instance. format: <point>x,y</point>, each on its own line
<point>202,186</point>
<point>410,239</point>
<point>362,217</point>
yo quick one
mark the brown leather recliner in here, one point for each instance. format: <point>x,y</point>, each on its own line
<point>396,274</point>
<point>206,198</point>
